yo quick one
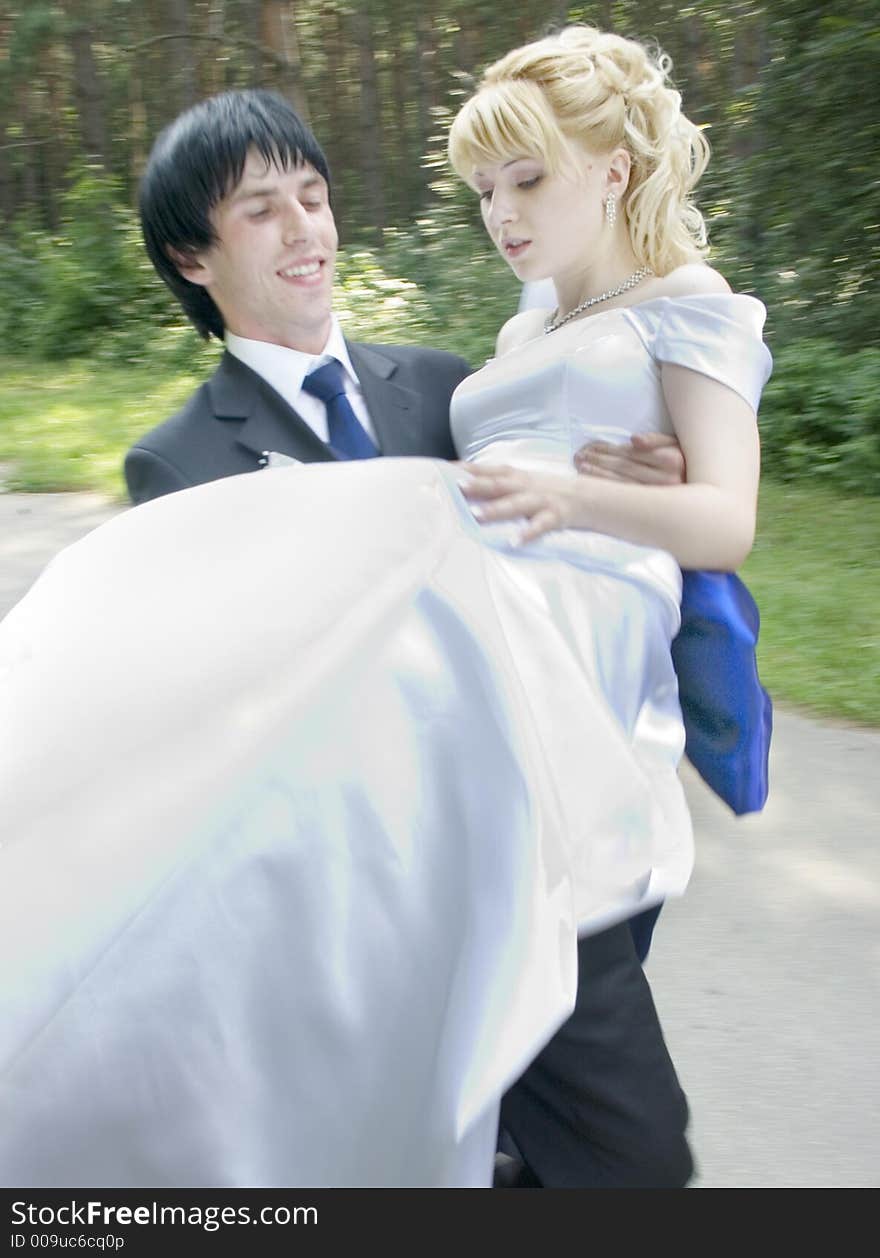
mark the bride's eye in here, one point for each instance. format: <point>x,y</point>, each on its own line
<point>530,183</point>
<point>485,194</point>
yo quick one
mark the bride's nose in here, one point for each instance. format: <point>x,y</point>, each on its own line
<point>502,210</point>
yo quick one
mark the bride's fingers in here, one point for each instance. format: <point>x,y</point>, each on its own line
<point>543,521</point>
<point>511,506</point>
<point>491,484</point>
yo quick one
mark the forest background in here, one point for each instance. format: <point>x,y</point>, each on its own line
<point>93,350</point>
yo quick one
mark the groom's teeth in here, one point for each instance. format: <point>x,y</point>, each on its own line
<point>311,268</point>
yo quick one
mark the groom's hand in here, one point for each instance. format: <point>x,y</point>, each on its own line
<point>650,458</point>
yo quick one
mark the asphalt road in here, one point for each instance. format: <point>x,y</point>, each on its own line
<point>767,972</point>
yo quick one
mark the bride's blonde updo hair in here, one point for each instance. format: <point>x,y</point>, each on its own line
<point>606,92</point>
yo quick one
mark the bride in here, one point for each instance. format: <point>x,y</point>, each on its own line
<point>299,838</point>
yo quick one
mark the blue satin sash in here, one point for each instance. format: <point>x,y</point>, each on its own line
<point>728,715</point>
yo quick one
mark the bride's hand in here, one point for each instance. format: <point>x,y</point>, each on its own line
<point>501,493</point>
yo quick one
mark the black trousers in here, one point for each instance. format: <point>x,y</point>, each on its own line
<point>601,1106</point>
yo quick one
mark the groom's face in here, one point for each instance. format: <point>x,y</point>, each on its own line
<point>270,271</point>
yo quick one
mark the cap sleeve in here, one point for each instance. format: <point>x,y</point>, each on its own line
<point>717,334</point>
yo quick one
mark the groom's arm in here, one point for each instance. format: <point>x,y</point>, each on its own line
<point>149,475</point>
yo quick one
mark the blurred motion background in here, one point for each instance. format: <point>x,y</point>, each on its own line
<point>93,351</point>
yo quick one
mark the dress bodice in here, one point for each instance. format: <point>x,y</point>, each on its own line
<point>600,377</point>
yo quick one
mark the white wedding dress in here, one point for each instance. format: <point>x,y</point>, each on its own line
<point>308,782</point>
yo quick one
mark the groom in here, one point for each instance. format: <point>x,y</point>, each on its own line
<point>236,214</point>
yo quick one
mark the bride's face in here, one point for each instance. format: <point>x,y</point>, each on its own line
<point>542,223</point>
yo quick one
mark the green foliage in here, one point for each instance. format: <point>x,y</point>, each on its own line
<point>89,288</point>
<point>90,291</point>
<point>811,222</point>
<point>31,29</point>
<point>22,292</point>
<point>466,291</point>
<point>820,416</point>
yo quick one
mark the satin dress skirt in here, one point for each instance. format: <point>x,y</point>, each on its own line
<point>305,792</point>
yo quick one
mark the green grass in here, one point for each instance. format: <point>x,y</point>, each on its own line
<point>814,570</point>
<point>66,426</point>
<point>815,574</point>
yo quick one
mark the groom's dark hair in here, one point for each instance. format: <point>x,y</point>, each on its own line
<point>197,161</point>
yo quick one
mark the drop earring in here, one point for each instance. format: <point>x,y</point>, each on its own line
<point>611,209</point>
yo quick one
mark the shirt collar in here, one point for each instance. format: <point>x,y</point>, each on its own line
<point>285,369</point>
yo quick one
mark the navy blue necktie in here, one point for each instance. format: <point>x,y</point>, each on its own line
<point>346,434</point>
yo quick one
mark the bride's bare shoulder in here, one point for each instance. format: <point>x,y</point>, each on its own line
<point>523,327</point>
<point>691,280</point>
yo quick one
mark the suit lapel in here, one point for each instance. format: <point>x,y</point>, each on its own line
<point>269,423</point>
<point>238,393</point>
<point>395,410</point>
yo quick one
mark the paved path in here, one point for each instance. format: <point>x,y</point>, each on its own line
<point>767,973</point>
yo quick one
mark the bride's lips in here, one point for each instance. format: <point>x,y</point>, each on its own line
<point>514,248</point>
<point>305,274</point>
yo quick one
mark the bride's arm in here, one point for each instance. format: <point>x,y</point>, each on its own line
<point>707,523</point>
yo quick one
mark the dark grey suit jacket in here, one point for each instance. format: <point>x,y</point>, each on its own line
<point>228,423</point>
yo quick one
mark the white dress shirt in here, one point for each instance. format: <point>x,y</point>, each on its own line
<point>285,369</point>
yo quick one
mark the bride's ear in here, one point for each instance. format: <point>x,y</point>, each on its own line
<point>617,176</point>
<point>190,266</point>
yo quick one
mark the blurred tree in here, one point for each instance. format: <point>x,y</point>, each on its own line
<point>212,65</point>
<point>371,131</point>
<point>814,187</point>
<point>278,31</point>
<point>89,94</point>
<point>180,54</point>
<point>32,131</point>
<point>791,193</point>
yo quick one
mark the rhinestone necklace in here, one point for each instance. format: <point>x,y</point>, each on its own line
<point>554,322</point>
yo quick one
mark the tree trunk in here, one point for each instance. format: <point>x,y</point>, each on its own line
<point>158,95</point>
<point>28,199</point>
<point>695,101</point>
<point>212,66</point>
<point>7,183</point>
<point>426,96</point>
<point>248,21</point>
<point>406,186</point>
<point>181,55</point>
<point>88,89</point>
<point>745,69</point>
<point>371,128</point>
<point>52,163</point>
<point>335,139</point>
<point>465,46</point>
<point>137,106</point>
<point>278,33</point>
